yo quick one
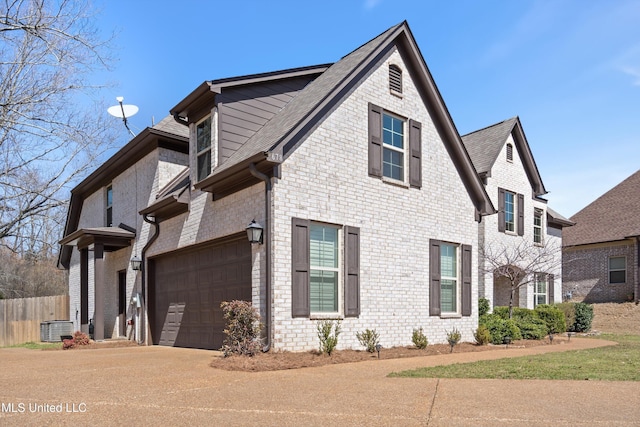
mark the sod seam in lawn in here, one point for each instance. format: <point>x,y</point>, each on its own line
<point>612,363</point>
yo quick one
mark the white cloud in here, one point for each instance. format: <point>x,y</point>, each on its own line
<point>370,4</point>
<point>633,72</point>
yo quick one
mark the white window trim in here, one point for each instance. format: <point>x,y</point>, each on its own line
<point>204,151</point>
<point>539,211</point>
<point>545,280</point>
<point>609,270</point>
<point>335,315</point>
<point>458,279</point>
<point>404,182</point>
<point>515,213</point>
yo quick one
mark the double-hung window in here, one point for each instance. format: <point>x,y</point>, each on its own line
<point>109,207</point>
<point>617,269</point>
<point>509,211</point>
<point>537,226</point>
<point>449,278</point>
<point>324,274</point>
<point>203,148</point>
<point>393,147</point>
<point>540,289</point>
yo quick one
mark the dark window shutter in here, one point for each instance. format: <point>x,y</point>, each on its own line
<point>375,140</point>
<point>352,272</point>
<point>466,280</point>
<point>300,265</point>
<point>501,218</point>
<point>415,159</point>
<point>434,274</point>
<point>550,290</point>
<point>520,215</point>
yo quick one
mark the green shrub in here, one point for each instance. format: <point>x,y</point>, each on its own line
<point>482,335</point>
<point>553,318</point>
<point>584,317</point>
<point>369,339</point>
<point>569,311</point>
<point>500,328</point>
<point>243,328</point>
<point>532,330</point>
<point>483,306</point>
<point>502,312</point>
<point>328,340</point>
<point>419,339</point>
<point>453,336</point>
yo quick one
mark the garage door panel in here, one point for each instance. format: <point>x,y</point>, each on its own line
<point>189,287</point>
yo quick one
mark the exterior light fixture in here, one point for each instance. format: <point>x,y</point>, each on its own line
<point>136,263</point>
<point>378,347</point>
<point>507,341</point>
<point>254,232</point>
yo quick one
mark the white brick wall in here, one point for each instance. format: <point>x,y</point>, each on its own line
<point>512,177</point>
<point>326,179</point>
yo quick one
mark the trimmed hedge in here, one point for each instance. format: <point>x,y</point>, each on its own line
<point>552,317</point>
<point>500,328</point>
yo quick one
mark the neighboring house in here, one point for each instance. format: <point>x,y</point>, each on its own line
<point>601,253</point>
<point>367,198</point>
<point>502,157</point>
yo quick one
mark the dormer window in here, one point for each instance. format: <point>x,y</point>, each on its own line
<point>203,148</point>
<point>395,79</point>
<point>509,153</point>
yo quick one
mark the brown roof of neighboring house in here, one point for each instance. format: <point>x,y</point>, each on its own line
<point>613,216</point>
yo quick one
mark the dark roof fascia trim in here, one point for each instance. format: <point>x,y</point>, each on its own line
<point>218,85</point>
<point>603,242</point>
<point>205,93</point>
<point>560,222</point>
<point>87,236</point>
<point>237,176</point>
<point>530,166</point>
<point>447,129</point>
<point>166,208</point>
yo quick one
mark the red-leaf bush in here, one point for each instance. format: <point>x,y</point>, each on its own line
<point>79,339</point>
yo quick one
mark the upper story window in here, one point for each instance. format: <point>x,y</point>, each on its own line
<point>393,147</point>
<point>395,79</point>
<point>509,211</point>
<point>617,269</point>
<point>109,206</point>
<point>537,226</point>
<point>540,290</point>
<point>509,153</point>
<point>203,148</point>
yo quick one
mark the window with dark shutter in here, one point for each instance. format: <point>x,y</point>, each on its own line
<point>300,266</point>
<point>415,159</point>
<point>501,213</point>
<point>352,272</point>
<point>375,140</point>
<point>395,78</point>
<point>520,209</point>
<point>466,280</point>
<point>434,282</point>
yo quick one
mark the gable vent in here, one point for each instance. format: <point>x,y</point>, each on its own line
<point>509,152</point>
<point>395,78</point>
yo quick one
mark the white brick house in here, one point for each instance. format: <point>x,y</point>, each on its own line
<point>368,199</point>
<point>502,157</point>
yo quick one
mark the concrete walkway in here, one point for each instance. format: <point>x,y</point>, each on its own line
<point>171,386</point>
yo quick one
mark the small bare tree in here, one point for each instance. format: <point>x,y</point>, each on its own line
<point>50,131</point>
<point>519,262</point>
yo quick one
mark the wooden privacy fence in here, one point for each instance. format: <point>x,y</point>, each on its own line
<point>20,318</point>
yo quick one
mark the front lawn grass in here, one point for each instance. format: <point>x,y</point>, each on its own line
<point>613,363</point>
<point>39,345</point>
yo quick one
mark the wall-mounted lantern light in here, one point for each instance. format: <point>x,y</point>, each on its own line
<point>136,263</point>
<point>254,232</point>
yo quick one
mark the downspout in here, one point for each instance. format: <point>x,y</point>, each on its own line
<point>153,238</point>
<point>267,239</point>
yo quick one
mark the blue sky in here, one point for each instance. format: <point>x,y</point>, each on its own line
<point>569,69</point>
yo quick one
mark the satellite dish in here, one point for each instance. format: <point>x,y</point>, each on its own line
<point>123,111</point>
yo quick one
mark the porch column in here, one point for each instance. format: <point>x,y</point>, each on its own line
<point>98,283</point>
<point>84,290</point>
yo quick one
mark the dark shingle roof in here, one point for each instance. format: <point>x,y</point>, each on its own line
<point>613,216</point>
<point>169,125</point>
<point>484,145</point>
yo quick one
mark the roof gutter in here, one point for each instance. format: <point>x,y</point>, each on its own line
<point>267,239</point>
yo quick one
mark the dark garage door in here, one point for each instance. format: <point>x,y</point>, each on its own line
<point>186,288</point>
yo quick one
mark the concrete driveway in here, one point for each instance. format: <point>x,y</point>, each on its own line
<point>172,386</point>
